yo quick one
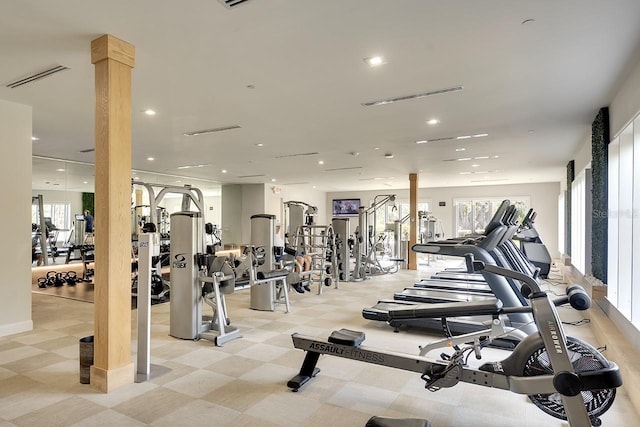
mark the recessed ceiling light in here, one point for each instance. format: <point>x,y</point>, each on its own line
<point>374,61</point>
<point>461,149</point>
<point>376,148</point>
<point>35,138</point>
<point>150,112</point>
<point>475,165</point>
<point>496,157</point>
<point>463,159</point>
<point>85,182</point>
<point>151,159</point>
<point>321,162</point>
<point>314,186</point>
<point>481,157</point>
<point>480,135</point>
<point>177,180</point>
<point>433,121</point>
<point>273,180</point>
<point>223,171</point>
<point>465,173</point>
<point>424,141</point>
<point>463,137</point>
<point>60,170</point>
<point>192,166</point>
<point>259,144</point>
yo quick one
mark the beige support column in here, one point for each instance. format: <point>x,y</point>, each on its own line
<point>413,220</point>
<point>113,60</point>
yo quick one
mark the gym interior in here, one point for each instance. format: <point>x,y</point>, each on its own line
<point>298,213</point>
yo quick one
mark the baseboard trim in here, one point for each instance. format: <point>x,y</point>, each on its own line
<point>16,328</point>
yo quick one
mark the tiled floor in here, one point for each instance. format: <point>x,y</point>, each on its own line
<point>243,383</point>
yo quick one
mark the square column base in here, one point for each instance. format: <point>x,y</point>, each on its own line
<point>108,380</point>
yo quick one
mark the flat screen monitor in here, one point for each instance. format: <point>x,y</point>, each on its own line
<point>345,207</point>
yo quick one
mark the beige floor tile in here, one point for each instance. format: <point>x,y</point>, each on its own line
<point>198,383</point>
<point>240,395</point>
<point>9,345</point>
<point>58,343</point>
<point>363,398</point>
<point>153,404</point>
<point>63,324</point>
<point>262,352</point>
<point>70,352</point>
<point>198,413</point>
<point>18,353</point>
<point>17,384</point>
<point>259,335</point>
<point>34,362</point>
<point>288,409</point>
<point>115,397</point>
<point>331,415</point>
<point>244,420</point>
<point>62,375</point>
<point>6,373</point>
<point>234,366</point>
<point>201,357</point>
<point>26,402</point>
<point>108,418</point>
<point>60,414</point>
<point>39,337</point>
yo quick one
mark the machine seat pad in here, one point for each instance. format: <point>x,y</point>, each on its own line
<point>453,309</point>
<point>273,274</point>
<point>347,337</point>
<point>397,422</point>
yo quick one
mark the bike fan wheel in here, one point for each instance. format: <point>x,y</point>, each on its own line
<point>584,358</point>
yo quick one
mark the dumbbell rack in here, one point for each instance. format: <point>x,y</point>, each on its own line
<point>318,241</point>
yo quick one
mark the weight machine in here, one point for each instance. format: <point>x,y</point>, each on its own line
<point>366,259</point>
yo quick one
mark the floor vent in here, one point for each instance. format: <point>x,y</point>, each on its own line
<point>37,76</point>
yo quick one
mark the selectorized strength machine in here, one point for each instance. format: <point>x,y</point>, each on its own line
<point>563,376</point>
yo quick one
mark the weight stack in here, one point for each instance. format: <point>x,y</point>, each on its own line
<point>341,232</point>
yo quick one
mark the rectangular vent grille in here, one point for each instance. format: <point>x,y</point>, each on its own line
<point>286,156</point>
<point>37,76</point>
<point>295,183</point>
<point>230,4</point>
<point>212,130</point>
<point>88,150</point>
<point>343,169</point>
<point>250,176</point>
<point>415,96</point>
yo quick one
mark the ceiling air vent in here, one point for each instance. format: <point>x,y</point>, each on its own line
<point>343,169</point>
<point>286,156</point>
<point>250,176</point>
<point>37,76</point>
<point>414,96</point>
<point>88,150</point>
<point>230,4</point>
<point>212,130</point>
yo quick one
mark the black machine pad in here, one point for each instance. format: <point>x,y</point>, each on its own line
<point>347,337</point>
<point>397,422</point>
<point>272,274</point>
<point>455,309</point>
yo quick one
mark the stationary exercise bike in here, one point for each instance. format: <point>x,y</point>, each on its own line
<point>563,376</point>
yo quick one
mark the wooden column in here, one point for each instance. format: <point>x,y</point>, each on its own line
<point>113,60</point>
<point>413,220</point>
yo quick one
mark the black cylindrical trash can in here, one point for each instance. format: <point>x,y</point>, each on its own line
<point>86,359</point>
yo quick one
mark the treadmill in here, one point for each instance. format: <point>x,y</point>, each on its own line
<point>507,291</point>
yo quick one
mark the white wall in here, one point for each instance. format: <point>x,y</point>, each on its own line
<point>274,201</point>
<point>15,258</point>
<point>231,208</point>
<point>626,102</point>
<point>543,197</point>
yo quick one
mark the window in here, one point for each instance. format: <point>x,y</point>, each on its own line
<point>473,215</point>
<point>624,222</point>
<point>60,214</point>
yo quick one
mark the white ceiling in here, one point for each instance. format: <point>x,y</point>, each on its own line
<point>534,88</point>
